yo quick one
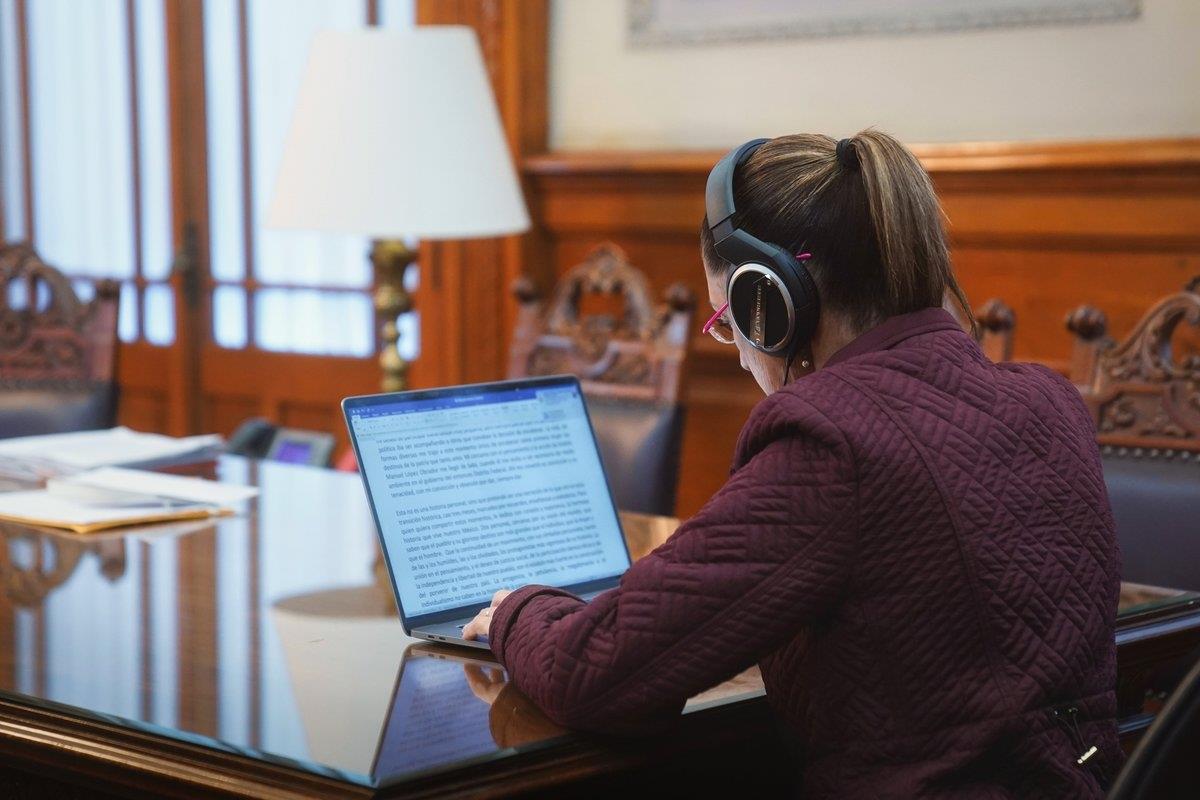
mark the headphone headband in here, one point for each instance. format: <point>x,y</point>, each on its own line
<point>718,192</point>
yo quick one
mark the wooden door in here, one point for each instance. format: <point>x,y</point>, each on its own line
<point>88,176</point>
<point>139,140</point>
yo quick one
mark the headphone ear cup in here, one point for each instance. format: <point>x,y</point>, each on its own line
<point>774,305</point>
<point>760,307</point>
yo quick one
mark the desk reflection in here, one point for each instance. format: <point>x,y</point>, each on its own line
<point>452,708</point>
<point>33,565</point>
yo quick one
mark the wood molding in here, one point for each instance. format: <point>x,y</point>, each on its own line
<point>1166,154</point>
<point>1044,226</point>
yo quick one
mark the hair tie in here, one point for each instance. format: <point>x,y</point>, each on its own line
<point>847,154</point>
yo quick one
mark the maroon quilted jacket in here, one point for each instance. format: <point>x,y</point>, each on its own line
<point>915,545</point>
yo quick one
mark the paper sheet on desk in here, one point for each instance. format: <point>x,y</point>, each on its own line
<point>89,449</point>
<point>45,508</point>
<point>154,484</point>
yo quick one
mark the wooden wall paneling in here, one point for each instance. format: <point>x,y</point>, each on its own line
<point>466,310</point>
<point>142,404</point>
<point>295,387</point>
<point>1044,226</point>
<point>224,413</point>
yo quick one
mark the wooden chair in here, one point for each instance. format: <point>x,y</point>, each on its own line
<point>1140,395</point>
<point>994,324</point>
<point>630,362</point>
<point>1145,401</point>
<point>57,354</point>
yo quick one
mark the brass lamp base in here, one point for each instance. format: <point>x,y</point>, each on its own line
<point>391,259</point>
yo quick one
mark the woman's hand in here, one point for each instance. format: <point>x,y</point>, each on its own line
<point>485,682</point>
<point>479,627</point>
<point>513,719</point>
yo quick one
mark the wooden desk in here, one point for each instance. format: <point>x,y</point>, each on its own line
<point>258,656</point>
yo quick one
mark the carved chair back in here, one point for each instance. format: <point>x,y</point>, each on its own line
<point>1144,395</point>
<point>1141,392</point>
<point>636,354</point>
<point>57,354</point>
<point>630,363</point>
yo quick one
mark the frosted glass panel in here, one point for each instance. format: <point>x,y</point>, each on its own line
<point>18,295</point>
<point>224,120</point>
<point>11,166</point>
<point>159,320</point>
<point>229,316</point>
<point>84,290</point>
<point>153,138</point>
<point>310,321</point>
<point>396,14</point>
<point>280,32</point>
<point>80,123</point>
<point>127,313</point>
<point>409,327</point>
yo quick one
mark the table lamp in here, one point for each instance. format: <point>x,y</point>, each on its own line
<point>396,134</point>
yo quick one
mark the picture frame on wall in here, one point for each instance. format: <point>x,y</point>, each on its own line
<point>681,22</point>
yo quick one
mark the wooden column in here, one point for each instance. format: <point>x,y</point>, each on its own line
<point>467,312</point>
<point>189,212</point>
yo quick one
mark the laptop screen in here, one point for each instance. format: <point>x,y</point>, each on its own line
<point>484,488</point>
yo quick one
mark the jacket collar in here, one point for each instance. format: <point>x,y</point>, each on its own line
<point>894,330</point>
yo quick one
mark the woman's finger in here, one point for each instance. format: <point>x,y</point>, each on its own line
<point>478,627</point>
<point>475,628</point>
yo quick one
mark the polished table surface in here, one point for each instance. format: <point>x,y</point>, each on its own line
<point>261,655</point>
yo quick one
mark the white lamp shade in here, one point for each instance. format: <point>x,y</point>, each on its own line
<point>396,133</point>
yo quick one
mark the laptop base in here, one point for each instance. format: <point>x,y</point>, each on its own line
<point>450,633</point>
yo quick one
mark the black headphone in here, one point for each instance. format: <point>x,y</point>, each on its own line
<point>772,297</point>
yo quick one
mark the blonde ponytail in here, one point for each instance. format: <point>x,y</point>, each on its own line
<point>908,223</point>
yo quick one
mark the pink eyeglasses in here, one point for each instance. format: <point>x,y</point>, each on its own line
<point>721,329</point>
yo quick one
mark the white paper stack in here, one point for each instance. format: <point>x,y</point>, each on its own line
<point>111,497</point>
<point>66,453</point>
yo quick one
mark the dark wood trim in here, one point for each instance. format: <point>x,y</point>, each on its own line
<point>135,149</point>
<point>146,621</point>
<point>53,741</point>
<point>373,12</point>
<point>26,121</point>
<point>184,21</point>
<point>115,758</point>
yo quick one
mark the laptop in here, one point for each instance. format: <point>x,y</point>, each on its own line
<point>485,487</point>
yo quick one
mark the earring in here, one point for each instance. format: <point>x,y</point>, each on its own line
<point>806,364</point>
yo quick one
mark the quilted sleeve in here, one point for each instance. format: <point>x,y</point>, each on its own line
<point>769,553</point>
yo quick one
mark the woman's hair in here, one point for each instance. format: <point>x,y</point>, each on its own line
<point>874,228</point>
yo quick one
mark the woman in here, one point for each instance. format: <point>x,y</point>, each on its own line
<point>914,543</point>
